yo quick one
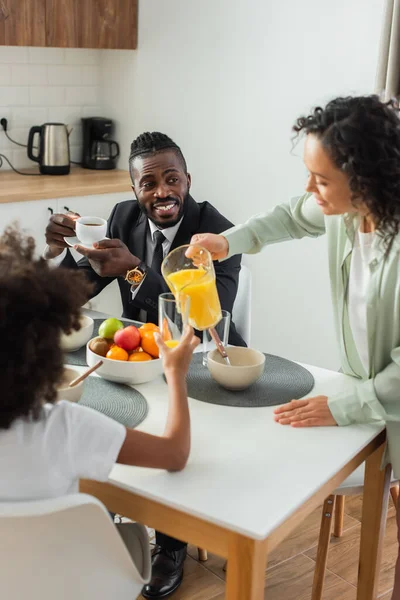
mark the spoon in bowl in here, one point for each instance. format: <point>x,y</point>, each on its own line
<point>85,374</point>
<point>220,346</point>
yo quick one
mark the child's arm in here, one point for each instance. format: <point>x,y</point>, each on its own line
<point>171,450</point>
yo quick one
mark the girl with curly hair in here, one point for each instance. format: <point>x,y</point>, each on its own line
<point>47,446</point>
<point>352,153</point>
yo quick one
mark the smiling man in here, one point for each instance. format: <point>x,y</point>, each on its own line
<point>142,231</point>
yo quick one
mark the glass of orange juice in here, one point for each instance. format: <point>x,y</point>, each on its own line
<point>194,276</point>
<point>173,316</point>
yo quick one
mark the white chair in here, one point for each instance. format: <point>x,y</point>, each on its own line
<point>334,505</point>
<point>68,548</point>
<point>241,314</point>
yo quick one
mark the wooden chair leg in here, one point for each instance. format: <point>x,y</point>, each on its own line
<point>339,516</point>
<point>202,554</point>
<point>394,492</point>
<point>323,547</point>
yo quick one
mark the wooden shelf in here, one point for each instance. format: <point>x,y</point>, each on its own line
<point>79,182</point>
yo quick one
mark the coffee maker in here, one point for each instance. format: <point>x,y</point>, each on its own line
<point>99,151</point>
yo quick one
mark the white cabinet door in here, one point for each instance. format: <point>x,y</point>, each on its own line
<point>31,216</point>
<point>101,205</point>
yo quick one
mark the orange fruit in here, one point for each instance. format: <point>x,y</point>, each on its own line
<point>139,357</point>
<point>149,343</point>
<point>138,349</point>
<point>117,353</point>
<point>147,327</point>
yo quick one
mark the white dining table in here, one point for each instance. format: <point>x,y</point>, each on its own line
<point>250,481</point>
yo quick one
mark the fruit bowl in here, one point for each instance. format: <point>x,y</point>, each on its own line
<point>122,371</point>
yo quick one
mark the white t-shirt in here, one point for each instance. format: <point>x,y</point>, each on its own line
<point>46,458</point>
<point>358,292</point>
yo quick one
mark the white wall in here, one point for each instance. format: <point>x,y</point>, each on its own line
<point>226,79</point>
<point>39,85</point>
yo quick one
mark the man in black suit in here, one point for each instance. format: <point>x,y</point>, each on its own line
<point>142,231</point>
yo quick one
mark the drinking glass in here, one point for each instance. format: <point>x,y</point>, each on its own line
<point>173,316</point>
<point>195,276</point>
<point>222,329</point>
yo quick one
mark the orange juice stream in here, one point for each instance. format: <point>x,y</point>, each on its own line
<point>200,286</point>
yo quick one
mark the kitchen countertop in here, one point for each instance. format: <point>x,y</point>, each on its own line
<point>79,182</point>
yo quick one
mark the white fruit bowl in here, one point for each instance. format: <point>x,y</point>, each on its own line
<point>122,371</point>
<point>77,339</point>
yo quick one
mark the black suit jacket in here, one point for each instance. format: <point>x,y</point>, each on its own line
<point>129,224</point>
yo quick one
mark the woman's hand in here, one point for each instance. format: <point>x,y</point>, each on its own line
<point>177,360</point>
<point>311,412</point>
<point>217,245</point>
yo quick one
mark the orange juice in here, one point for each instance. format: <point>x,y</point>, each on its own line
<point>171,343</point>
<point>200,286</point>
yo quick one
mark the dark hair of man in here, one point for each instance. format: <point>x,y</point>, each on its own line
<point>37,303</point>
<point>362,137</point>
<point>148,144</point>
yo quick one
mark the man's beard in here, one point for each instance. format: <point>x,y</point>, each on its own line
<point>163,224</point>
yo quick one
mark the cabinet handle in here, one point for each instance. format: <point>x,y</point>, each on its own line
<point>51,211</point>
<point>66,208</point>
<point>4,14</point>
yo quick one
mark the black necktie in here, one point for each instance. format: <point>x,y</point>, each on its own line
<point>158,251</point>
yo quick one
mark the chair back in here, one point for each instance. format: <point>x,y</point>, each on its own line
<point>241,314</point>
<point>66,548</point>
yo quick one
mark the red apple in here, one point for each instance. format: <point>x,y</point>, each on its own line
<point>127,338</point>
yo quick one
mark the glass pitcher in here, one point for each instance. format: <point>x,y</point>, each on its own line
<point>195,276</point>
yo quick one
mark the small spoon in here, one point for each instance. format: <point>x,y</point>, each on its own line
<point>220,346</point>
<point>85,374</point>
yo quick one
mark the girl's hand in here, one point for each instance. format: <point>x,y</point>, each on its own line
<point>311,412</point>
<point>178,359</point>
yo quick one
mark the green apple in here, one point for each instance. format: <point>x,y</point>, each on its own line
<point>108,328</point>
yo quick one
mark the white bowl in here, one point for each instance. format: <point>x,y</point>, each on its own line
<point>123,371</point>
<point>247,366</point>
<point>77,339</point>
<point>73,394</point>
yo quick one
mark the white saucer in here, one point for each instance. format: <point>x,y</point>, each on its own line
<point>73,241</point>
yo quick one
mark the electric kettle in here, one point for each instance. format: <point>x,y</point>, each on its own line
<point>52,148</point>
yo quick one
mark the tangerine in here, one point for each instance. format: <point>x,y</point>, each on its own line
<point>149,344</point>
<point>148,327</point>
<point>117,353</point>
<point>139,357</point>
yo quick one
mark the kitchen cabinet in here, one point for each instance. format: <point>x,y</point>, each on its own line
<point>31,216</point>
<point>69,23</point>
<point>22,22</point>
<point>91,24</point>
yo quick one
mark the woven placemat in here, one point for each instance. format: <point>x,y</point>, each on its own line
<point>120,402</point>
<point>281,381</point>
<point>79,357</point>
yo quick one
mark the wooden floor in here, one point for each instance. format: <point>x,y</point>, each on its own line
<point>291,566</point>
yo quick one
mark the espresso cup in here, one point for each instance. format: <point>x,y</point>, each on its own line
<point>90,229</point>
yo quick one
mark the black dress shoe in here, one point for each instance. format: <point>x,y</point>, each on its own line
<point>166,572</point>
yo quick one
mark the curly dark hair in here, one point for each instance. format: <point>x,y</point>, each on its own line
<point>37,303</point>
<point>147,144</point>
<point>362,137</point>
